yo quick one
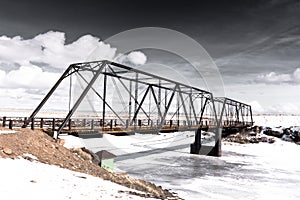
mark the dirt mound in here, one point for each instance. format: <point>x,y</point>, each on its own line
<point>36,145</point>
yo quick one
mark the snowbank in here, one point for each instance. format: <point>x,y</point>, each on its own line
<point>22,179</point>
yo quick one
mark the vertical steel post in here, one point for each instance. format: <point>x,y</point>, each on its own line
<point>4,121</point>
<point>136,97</point>
<point>70,124</point>
<point>53,124</point>
<point>42,123</point>
<point>251,116</point>
<point>92,124</point>
<point>190,108</point>
<point>130,103</point>
<point>166,98</point>
<point>237,114</point>
<point>177,109</point>
<point>127,123</point>
<point>32,123</point>
<point>159,98</point>
<point>104,98</point>
<point>10,125</point>
<point>111,124</point>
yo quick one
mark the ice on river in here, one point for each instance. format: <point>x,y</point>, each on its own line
<point>250,171</point>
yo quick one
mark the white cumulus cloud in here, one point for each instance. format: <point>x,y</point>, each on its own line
<point>28,76</point>
<point>134,57</point>
<point>276,78</point>
<point>137,58</point>
<point>38,62</point>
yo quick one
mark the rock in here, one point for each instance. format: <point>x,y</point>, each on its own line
<point>7,151</point>
<point>287,138</point>
<point>296,135</point>
<point>271,132</point>
<point>271,140</point>
<point>264,139</point>
<point>252,133</point>
<point>253,140</point>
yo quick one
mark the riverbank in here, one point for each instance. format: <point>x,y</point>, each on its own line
<point>37,147</point>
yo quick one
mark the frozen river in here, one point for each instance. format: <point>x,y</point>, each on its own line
<point>251,171</point>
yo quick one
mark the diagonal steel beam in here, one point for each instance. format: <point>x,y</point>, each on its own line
<point>203,109</point>
<point>140,104</point>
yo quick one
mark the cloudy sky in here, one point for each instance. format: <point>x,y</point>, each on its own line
<point>255,43</point>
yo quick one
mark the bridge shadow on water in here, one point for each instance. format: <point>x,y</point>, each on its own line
<point>150,152</point>
<point>162,166</point>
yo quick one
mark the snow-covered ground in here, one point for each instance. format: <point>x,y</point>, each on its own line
<point>250,171</point>
<point>22,179</point>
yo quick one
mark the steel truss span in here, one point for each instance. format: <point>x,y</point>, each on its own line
<point>126,99</point>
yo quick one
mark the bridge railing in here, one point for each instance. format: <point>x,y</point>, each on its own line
<point>110,124</point>
<point>113,124</point>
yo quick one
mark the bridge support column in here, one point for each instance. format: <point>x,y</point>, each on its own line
<point>217,149</point>
<point>198,148</point>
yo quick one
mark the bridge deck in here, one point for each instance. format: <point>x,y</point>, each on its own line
<point>92,126</point>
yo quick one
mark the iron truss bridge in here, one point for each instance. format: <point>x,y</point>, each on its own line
<point>109,97</point>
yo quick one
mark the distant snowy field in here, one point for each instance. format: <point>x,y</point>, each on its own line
<point>22,179</point>
<point>277,120</point>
